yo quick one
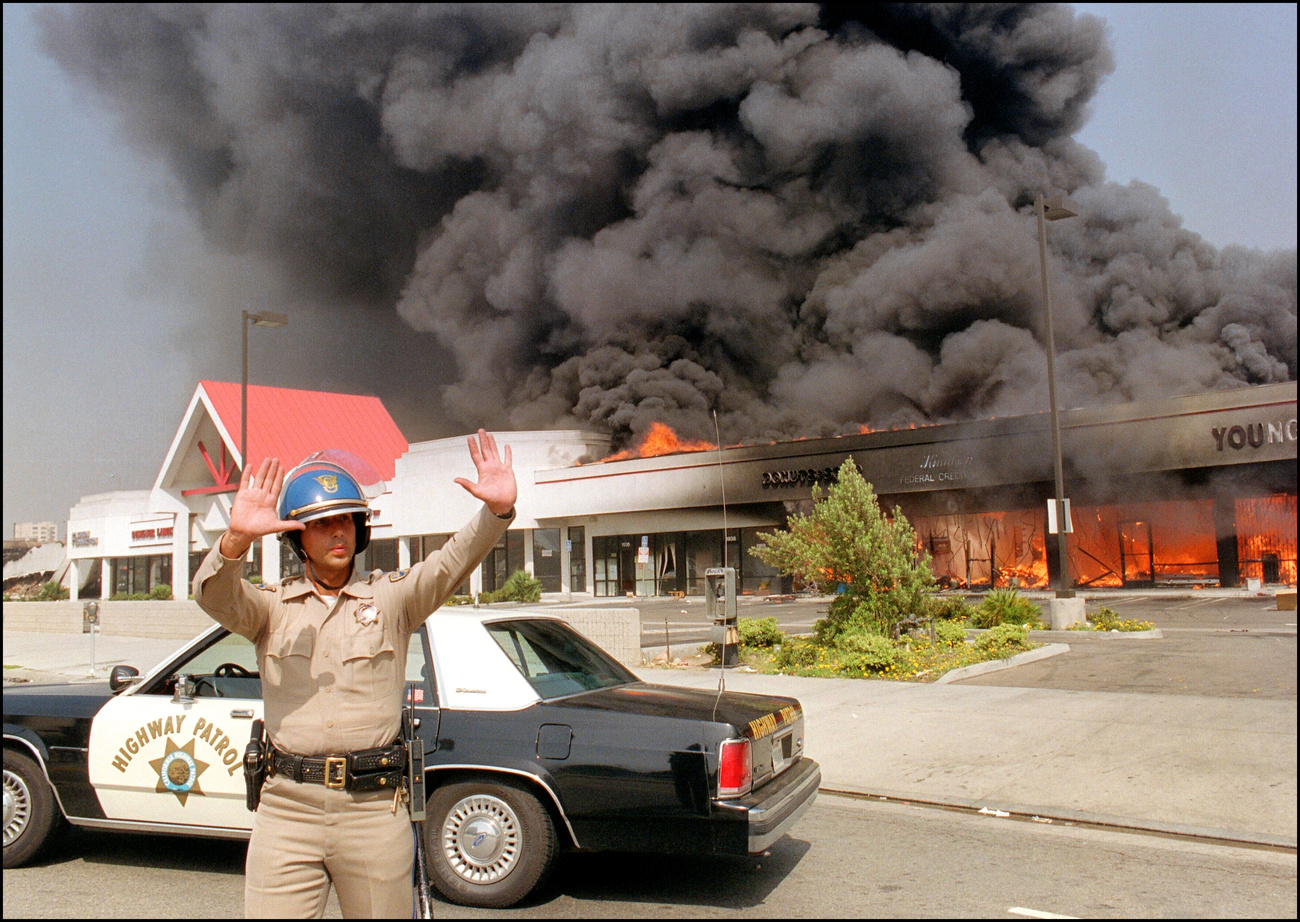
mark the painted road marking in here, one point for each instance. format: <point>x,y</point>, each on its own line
<point>1037,913</point>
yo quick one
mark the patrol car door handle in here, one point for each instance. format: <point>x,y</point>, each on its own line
<point>245,713</point>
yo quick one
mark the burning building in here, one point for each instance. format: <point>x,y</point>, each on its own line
<point>1185,491</point>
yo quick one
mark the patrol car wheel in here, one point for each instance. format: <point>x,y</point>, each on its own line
<point>487,843</point>
<point>30,815</point>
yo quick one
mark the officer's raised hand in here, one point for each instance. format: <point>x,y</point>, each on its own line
<point>496,477</point>
<point>253,513</point>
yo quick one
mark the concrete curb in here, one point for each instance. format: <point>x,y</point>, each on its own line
<point>996,665</point>
<point>1153,634</point>
<point>1127,824</point>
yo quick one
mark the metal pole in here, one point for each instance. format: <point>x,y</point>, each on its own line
<point>1063,590</point>
<point>243,395</point>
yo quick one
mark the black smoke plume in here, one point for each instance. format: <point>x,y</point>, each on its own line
<point>807,218</point>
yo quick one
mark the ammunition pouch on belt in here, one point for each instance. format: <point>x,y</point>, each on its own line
<point>255,764</point>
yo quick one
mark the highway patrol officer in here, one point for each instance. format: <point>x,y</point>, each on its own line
<point>332,648</point>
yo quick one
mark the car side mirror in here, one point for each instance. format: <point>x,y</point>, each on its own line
<point>122,677</point>
<point>184,693</point>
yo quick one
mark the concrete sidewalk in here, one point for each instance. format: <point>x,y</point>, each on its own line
<point>1222,767</point>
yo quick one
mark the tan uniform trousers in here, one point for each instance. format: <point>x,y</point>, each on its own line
<point>307,835</point>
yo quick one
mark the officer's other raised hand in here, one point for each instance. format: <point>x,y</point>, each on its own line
<point>253,513</point>
<point>496,477</point>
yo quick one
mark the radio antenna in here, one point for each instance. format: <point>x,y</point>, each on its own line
<point>722,479</point>
<point>722,647</point>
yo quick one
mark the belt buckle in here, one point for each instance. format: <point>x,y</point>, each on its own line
<point>336,772</point>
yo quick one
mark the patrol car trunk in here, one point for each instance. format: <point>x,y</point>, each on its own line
<point>773,724</point>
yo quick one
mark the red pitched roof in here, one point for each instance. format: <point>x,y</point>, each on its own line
<point>290,424</point>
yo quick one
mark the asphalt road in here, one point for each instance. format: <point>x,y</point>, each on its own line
<point>847,858</point>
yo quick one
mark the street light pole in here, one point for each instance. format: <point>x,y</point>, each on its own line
<point>265,319</point>
<point>1054,210</point>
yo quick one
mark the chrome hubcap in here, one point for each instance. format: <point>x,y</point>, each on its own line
<point>18,807</point>
<point>481,838</point>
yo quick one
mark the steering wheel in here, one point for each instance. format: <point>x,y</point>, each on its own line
<point>231,671</point>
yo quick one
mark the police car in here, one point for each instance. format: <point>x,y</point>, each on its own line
<point>536,740</point>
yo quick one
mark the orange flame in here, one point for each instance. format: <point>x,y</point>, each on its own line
<point>661,440</point>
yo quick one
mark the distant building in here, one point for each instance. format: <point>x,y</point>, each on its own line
<point>36,532</point>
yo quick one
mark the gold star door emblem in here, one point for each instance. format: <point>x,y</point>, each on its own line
<point>178,771</point>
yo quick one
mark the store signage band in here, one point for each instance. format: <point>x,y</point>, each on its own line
<point>1256,435</point>
<point>152,534</point>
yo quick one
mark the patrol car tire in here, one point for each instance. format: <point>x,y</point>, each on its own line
<point>488,843</point>
<point>31,816</point>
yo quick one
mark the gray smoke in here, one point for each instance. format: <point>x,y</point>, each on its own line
<point>620,214</point>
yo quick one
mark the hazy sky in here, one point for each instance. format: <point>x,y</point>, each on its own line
<point>107,284</point>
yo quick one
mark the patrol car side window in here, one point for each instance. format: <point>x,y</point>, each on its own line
<point>419,675</point>
<point>233,650</point>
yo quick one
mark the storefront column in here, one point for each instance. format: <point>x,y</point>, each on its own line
<point>74,579</point>
<point>271,560</point>
<point>180,555</point>
<point>404,553</point>
<point>1225,539</point>
<point>528,552</point>
<point>106,578</point>
<point>565,560</point>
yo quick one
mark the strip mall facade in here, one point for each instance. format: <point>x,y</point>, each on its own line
<point>1192,491</point>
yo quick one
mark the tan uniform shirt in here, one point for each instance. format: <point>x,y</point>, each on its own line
<point>334,676</point>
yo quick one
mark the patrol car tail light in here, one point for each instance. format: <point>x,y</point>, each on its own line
<point>734,775</point>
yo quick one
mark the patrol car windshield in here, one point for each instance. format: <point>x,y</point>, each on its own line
<point>555,659</point>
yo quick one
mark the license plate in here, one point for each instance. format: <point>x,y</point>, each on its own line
<point>782,751</point>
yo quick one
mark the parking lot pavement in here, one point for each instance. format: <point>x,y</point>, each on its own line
<point>36,656</point>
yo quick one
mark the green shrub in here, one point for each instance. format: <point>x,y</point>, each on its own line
<point>850,614</point>
<point>1008,637</point>
<point>849,541</point>
<point>520,587</point>
<point>161,593</point>
<point>759,632</point>
<point>795,653</point>
<point>127,597</point>
<point>1106,619</point>
<point>866,652</point>
<point>1007,606</point>
<point>51,592</point>
<point>949,608</point>
<point>949,633</point>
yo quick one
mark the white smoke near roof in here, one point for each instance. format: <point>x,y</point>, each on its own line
<point>619,214</point>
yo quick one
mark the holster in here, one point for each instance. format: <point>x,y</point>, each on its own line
<point>256,758</point>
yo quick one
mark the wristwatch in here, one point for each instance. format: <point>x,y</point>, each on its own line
<point>506,515</point>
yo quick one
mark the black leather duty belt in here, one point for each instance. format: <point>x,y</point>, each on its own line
<point>368,770</point>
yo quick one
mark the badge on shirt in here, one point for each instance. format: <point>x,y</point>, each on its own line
<point>367,615</point>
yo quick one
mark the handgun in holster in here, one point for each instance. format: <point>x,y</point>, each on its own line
<point>256,759</point>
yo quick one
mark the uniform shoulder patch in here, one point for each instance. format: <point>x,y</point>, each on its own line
<point>398,574</point>
<point>265,588</point>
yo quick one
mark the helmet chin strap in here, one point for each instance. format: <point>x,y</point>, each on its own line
<point>315,578</point>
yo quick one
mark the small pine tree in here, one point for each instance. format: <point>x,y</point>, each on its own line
<point>848,541</point>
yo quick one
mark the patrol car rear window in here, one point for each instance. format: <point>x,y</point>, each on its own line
<point>557,660</point>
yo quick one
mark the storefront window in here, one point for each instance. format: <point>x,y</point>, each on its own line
<point>139,575</point>
<point>424,545</point>
<point>502,560</point>
<point>577,558</point>
<point>254,567</point>
<point>756,577</point>
<point>546,558</point>
<point>382,555</point>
